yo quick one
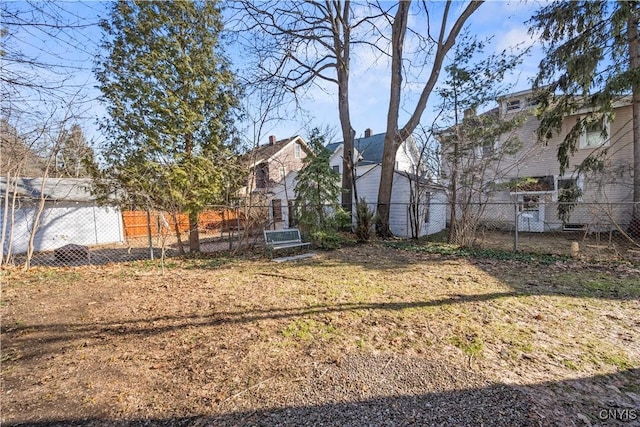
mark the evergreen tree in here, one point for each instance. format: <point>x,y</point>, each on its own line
<point>592,59</point>
<point>73,154</point>
<point>317,188</point>
<point>170,97</point>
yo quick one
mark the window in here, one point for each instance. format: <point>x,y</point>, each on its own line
<point>596,135</point>
<point>336,168</point>
<point>282,171</point>
<point>296,151</point>
<point>530,207</point>
<point>276,209</point>
<point>532,102</point>
<point>569,189</point>
<point>262,175</point>
<point>513,105</point>
<point>567,184</point>
<point>487,149</point>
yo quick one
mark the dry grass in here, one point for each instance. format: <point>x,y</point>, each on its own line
<point>217,336</point>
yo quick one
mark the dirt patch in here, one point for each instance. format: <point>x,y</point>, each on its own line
<point>365,335</point>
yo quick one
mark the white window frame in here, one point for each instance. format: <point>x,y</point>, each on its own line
<point>584,137</point>
<point>296,151</point>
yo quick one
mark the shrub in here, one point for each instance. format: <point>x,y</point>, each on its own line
<point>364,220</point>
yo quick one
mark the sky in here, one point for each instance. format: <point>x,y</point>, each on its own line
<point>504,21</point>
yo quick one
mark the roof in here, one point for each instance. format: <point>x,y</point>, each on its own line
<point>370,149</point>
<point>425,181</point>
<point>68,189</point>
<point>333,146</point>
<point>266,151</point>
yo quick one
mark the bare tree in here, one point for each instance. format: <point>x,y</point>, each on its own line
<point>423,176</point>
<point>436,46</point>
<point>300,44</point>
<point>310,43</point>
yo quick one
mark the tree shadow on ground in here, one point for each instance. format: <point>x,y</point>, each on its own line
<point>35,338</point>
<point>586,401</point>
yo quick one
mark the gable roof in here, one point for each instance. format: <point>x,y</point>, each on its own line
<point>333,146</point>
<point>370,149</point>
<point>265,152</point>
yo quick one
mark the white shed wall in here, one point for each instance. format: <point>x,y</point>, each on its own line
<point>64,224</point>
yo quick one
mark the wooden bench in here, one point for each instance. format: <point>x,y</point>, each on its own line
<point>282,239</point>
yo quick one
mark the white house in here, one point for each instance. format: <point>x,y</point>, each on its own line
<point>70,215</point>
<point>430,211</point>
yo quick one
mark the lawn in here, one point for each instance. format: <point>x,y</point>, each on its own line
<point>378,334</point>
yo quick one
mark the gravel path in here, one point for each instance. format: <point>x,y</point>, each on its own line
<point>391,390</point>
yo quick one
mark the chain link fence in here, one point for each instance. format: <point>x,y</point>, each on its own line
<point>68,234</point>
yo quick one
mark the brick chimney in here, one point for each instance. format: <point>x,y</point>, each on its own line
<point>367,132</point>
<point>272,139</point>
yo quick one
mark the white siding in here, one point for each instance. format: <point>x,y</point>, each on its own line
<point>64,224</point>
<point>368,185</point>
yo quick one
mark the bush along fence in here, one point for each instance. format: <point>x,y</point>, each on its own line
<point>72,234</point>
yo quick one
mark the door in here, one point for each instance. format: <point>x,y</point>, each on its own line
<point>531,213</point>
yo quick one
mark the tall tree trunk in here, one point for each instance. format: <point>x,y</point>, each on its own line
<point>194,234</point>
<point>176,229</point>
<point>395,135</point>
<point>634,64</point>
<point>392,137</point>
<point>342,45</point>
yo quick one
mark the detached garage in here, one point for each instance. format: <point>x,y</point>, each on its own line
<point>71,215</point>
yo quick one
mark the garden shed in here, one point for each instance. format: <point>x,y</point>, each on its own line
<point>71,215</point>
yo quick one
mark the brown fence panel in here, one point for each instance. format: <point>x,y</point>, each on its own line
<point>136,224</point>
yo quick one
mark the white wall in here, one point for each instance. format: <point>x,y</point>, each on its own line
<point>284,191</point>
<point>64,224</point>
<point>367,186</point>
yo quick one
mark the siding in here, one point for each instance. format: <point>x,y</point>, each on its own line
<point>61,224</point>
<point>613,186</point>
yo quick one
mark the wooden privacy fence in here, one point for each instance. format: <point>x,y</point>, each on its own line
<point>136,223</point>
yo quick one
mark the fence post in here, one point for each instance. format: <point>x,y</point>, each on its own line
<point>515,216</point>
<point>149,234</point>
<point>408,219</point>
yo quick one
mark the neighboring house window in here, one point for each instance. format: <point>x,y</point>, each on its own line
<point>596,135</point>
<point>282,172</point>
<point>568,187</point>
<point>513,105</point>
<point>336,168</point>
<point>262,175</point>
<point>276,209</point>
<point>532,102</point>
<point>296,151</point>
<point>488,149</point>
<point>531,205</point>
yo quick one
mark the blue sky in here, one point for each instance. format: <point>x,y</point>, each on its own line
<point>504,20</point>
